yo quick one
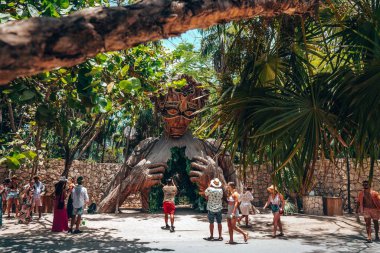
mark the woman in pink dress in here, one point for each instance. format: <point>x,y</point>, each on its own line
<point>60,214</point>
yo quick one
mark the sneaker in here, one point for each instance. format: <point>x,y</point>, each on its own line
<point>377,238</point>
<point>167,227</point>
<point>70,230</point>
<point>77,231</point>
<point>171,229</point>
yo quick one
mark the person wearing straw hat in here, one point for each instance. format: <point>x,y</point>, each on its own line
<point>214,196</point>
<point>277,202</point>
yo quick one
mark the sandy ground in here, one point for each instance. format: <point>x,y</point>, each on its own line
<point>133,231</point>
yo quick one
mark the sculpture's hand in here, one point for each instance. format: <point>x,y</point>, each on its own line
<point>203,170</point>
<point>153,174</point>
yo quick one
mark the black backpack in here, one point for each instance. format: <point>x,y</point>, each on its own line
<point>92,208</point>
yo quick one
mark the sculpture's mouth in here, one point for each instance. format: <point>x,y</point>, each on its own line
<point>177,132</point>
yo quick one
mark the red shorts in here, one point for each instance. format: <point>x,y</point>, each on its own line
<point>169,207</point>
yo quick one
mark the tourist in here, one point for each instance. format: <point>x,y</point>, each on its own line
<point>170,190</point>
<point>60,214</point>
<point>2,191</point>
<point>39,190</point>
<point>70,207</point>
<point>5,185</point>
<point>233,212</point>
<point>13,196</point>
<point>277,202</point>
<point>214,196</point>
<point>80,199</point>
<point>245,205</point>
<point>369,206</point>
<point>25,215</point>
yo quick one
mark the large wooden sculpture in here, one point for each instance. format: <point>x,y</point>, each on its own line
<point>146,166</point>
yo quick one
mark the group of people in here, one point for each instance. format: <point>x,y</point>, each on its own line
<point>24,199</point>
<point>69,203</point>
<point>236,203</point>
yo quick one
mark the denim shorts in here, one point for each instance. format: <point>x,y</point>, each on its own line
<point>12,195</point>
<point>214,215</point>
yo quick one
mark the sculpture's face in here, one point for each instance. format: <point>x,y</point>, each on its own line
<point>178,107</point>
<point>178,112</point>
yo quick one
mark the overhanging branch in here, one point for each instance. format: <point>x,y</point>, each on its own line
<point>40,44</point>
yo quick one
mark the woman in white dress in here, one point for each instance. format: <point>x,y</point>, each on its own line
<point>245,204</point>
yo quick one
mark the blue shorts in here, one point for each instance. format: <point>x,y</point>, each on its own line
<point>12,195</point>
<point>78,211</point>
<point>214,215</point>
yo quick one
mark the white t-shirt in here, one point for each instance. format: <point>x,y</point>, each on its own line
<point>38,189</point>
<point>80,196</point>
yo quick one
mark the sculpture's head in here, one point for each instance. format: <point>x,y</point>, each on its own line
<point>178,106</point>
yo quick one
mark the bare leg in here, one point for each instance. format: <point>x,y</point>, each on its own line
<point>17,204</point>
<point>376,225</point>
<point>172,219</point>
<point>246,220</point>
<point>9,206</point>
<point>275,219</point>
<point>368,227</point>
<point>230,230</point>
<point>279,224</point>
<point>39,212</point>
<point>77,224</point>
<point>166,219</point>
<point>211,230</point>
<point>234,227</point>
<point>72,221</point>
<point>220,230</point>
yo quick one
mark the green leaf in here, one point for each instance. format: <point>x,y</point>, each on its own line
<point>124,70</point>
<point>130,84</point>
<point>33,11</point>
<point>30,154</point>
<point>64,4</point>
<point>27,95</point>
<point>13,163</point>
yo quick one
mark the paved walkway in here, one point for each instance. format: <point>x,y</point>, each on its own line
<point>140,232</point>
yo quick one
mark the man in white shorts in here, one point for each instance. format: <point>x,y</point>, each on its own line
<point>39,190</point>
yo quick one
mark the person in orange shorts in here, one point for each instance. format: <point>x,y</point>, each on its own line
<point>369,207</point>
<point>170,191</point>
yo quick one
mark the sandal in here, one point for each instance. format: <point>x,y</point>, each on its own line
<point>281,234</point>
<point>220,239</point>
<point>232,243</point>
<point>369,240</point>
<point>209,238</point>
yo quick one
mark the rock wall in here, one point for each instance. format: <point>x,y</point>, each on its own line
<point>96,175</point>
<point>330,180</point>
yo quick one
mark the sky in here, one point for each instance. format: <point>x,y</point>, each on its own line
<point>192,36</point>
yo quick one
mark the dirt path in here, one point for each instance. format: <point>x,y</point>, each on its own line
<point>140,232</point>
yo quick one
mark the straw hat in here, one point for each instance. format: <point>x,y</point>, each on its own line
<point>272,188</point>
<point>216,183</point>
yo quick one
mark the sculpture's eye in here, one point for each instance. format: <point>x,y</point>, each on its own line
<point>188,113</point>
<point>172,111</point>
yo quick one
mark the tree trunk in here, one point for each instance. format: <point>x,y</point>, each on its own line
<point>348,184</point>
<point>40,44</point>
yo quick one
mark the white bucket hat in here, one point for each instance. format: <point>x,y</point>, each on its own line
<point>216,183</point>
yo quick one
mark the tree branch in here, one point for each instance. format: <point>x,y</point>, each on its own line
<point>39,44</point>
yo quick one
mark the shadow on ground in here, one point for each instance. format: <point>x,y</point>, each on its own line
<point>90,241</point>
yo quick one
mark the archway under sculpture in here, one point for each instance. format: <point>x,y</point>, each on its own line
<point>148,163</point>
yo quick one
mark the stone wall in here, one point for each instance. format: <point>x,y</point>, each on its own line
<point>96,175</point>
<point>313,205</point>
<point>330,180</point>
